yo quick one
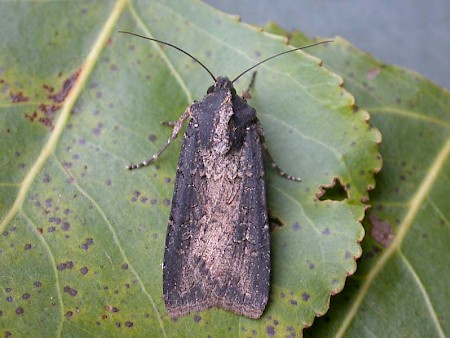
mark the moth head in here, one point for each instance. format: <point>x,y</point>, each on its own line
<point>221,83</point>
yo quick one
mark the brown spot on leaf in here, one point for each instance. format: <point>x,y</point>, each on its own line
<point>31,117</point>
<point>65,265</point>
<point>326,231</point>
<point>381,231</point>
<point>87,243</point>
<point>49,110</point>
<point>296,226</point>
<point>71,291</point>
<point>65,226</point>
<point>55,220</point>
<point>18,97</point>
<point>46,112</point>
<point>271,331</point>
<point>67,86</point>
<point>48,89</point>
<point>46,178</point>
<point>136,194</point>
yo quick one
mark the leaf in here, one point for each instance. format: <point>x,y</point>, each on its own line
<point>82,238</point>
<point>401,286</point>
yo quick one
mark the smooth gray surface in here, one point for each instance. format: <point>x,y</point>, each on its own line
<point>414,34</point>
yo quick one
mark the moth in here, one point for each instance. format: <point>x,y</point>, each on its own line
<point>217,249</point>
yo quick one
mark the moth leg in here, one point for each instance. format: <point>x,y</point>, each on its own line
<point>168,123</point>
<point>176,129</point>
<point>246,93</point>
<point>270,158</point>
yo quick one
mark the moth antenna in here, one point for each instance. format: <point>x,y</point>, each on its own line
<point>173,46</point>
<point>279,54</point>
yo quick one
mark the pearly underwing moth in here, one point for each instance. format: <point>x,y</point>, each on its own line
<point>217,249</point>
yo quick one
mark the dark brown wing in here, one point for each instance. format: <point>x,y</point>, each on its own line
<point>217,247</point>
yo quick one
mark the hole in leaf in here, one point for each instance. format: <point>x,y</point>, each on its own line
<point>335,191</point>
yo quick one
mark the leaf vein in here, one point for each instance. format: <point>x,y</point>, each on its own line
<point>55,272</point>
<point>425,295</point>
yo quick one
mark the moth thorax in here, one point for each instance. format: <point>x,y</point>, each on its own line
<point>221,142</point>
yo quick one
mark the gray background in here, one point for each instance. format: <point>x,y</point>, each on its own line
<point>414,34</point>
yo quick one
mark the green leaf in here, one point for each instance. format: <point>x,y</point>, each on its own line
<point>401,287</point>
<point>82,238</point>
